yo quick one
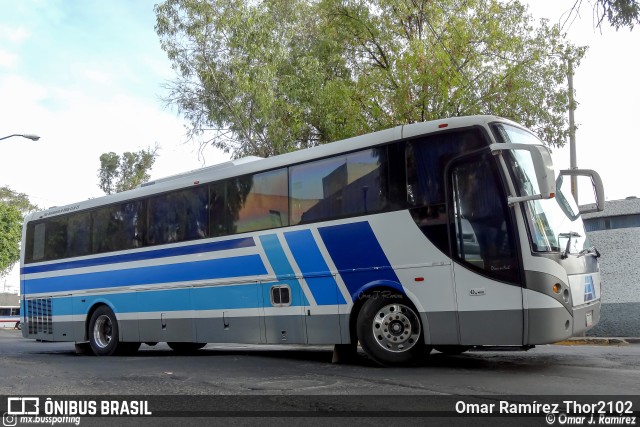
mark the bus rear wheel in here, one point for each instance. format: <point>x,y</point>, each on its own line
<point>389,330</point>
<point>103,332</point>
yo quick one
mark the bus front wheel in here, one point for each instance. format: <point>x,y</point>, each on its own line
<point>103,332</point>
<point>389,330</point>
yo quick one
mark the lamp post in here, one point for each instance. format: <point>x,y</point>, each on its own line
<point>26,135</point>
<point>573,163</point>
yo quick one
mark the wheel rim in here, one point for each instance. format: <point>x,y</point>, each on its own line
<point>102,331</point>
<point>396,328</point>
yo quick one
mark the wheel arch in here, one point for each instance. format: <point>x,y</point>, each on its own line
<point>380,286</point>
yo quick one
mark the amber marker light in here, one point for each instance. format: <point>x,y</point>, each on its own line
<point>557,288</point>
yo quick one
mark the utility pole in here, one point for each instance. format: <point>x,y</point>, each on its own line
<point>573,163</point>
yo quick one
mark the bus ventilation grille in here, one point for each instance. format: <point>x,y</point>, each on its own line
<point>39,314</point>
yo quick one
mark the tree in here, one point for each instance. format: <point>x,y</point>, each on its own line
<point>18,200</point>
<point>619,13</point>
<point>13,207</point>
<point>267,77</point>
<point>121,173</point>
<point>10,236</point>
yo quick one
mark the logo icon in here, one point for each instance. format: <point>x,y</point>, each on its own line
<point>589,289</point>
<point>9,420</point>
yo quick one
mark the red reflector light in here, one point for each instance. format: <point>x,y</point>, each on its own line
<point>443,125</point>
<point>419,279</point>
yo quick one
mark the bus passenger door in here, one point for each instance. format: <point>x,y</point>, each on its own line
<point>486,268</point>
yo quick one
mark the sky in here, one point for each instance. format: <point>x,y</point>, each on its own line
<point>87,77</point>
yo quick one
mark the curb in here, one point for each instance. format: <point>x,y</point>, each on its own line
<point>598,341</point>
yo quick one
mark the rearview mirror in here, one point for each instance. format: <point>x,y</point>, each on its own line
<point>596,182</point>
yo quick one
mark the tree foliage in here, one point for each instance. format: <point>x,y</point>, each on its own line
<point>10,235</point>
<point>619,13</point>
<point>18,200</point>
<point>121,173</point>
<point>13,207</point>
<point>267,77</point>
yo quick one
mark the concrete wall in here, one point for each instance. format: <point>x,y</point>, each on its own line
<point>9,299</point>
<point>620,267</point>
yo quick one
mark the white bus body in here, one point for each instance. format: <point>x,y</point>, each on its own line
<point>10,317</point>
<point>440,234</point>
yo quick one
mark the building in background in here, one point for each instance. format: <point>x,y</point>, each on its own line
<point>9,299</point>
<point>615,232</point>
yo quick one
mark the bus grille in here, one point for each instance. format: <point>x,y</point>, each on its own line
<point>39,316</point>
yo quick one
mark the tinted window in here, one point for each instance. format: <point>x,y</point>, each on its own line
<point>179,216</point>
<point>331,188</point>
<point>35,243</point>
<point>79,235</point>
<point>221,221</point>
<point>118,227</point>
<point>259,201</point>
<point>483,237</point>
<point>426,160</point>
<point>55,238</point>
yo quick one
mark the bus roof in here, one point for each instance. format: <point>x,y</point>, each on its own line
<point>248,165</point>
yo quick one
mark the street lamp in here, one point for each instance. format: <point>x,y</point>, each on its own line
<point>26,135</point>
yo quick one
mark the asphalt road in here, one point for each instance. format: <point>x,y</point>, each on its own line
<point>29,368</point>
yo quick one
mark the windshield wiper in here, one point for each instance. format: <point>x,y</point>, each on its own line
<point>589,251</point>
<point>565,254</point>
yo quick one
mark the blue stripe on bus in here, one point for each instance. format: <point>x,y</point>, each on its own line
<point>313,267</point>
<point>282,269</point>
<point>244,242</point>
<point>357,254</point>
<point>184,299</point>
<point>248,265</point>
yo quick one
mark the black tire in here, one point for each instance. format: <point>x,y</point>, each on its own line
<point>103,332</point>
<point>186,347</point>
<point>451,350</point>
<point>18,326</point>
<point>390,331</point>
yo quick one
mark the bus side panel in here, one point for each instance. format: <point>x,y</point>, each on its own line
<point>424,272</point>
<point>227,313</point>
<point>324,300</point>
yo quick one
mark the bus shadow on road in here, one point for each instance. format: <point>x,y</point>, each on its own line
<point>472,360</point>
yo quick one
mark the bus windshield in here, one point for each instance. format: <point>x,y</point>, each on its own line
<point>552,223</point>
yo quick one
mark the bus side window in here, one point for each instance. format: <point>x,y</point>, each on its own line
<point>220,220</point>
<point>426,160</point>
<point>348,185</point>
<point>259,201</point>
<point>483,233</point>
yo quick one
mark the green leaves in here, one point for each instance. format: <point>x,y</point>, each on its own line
<point>619,13</point>
<point>267,77</point>
<point>13,206</point>
<point>10,235</point>
<point>121,173</point>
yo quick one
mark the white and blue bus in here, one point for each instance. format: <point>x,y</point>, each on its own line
<point>10,317</point>
<point>446,234</point>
